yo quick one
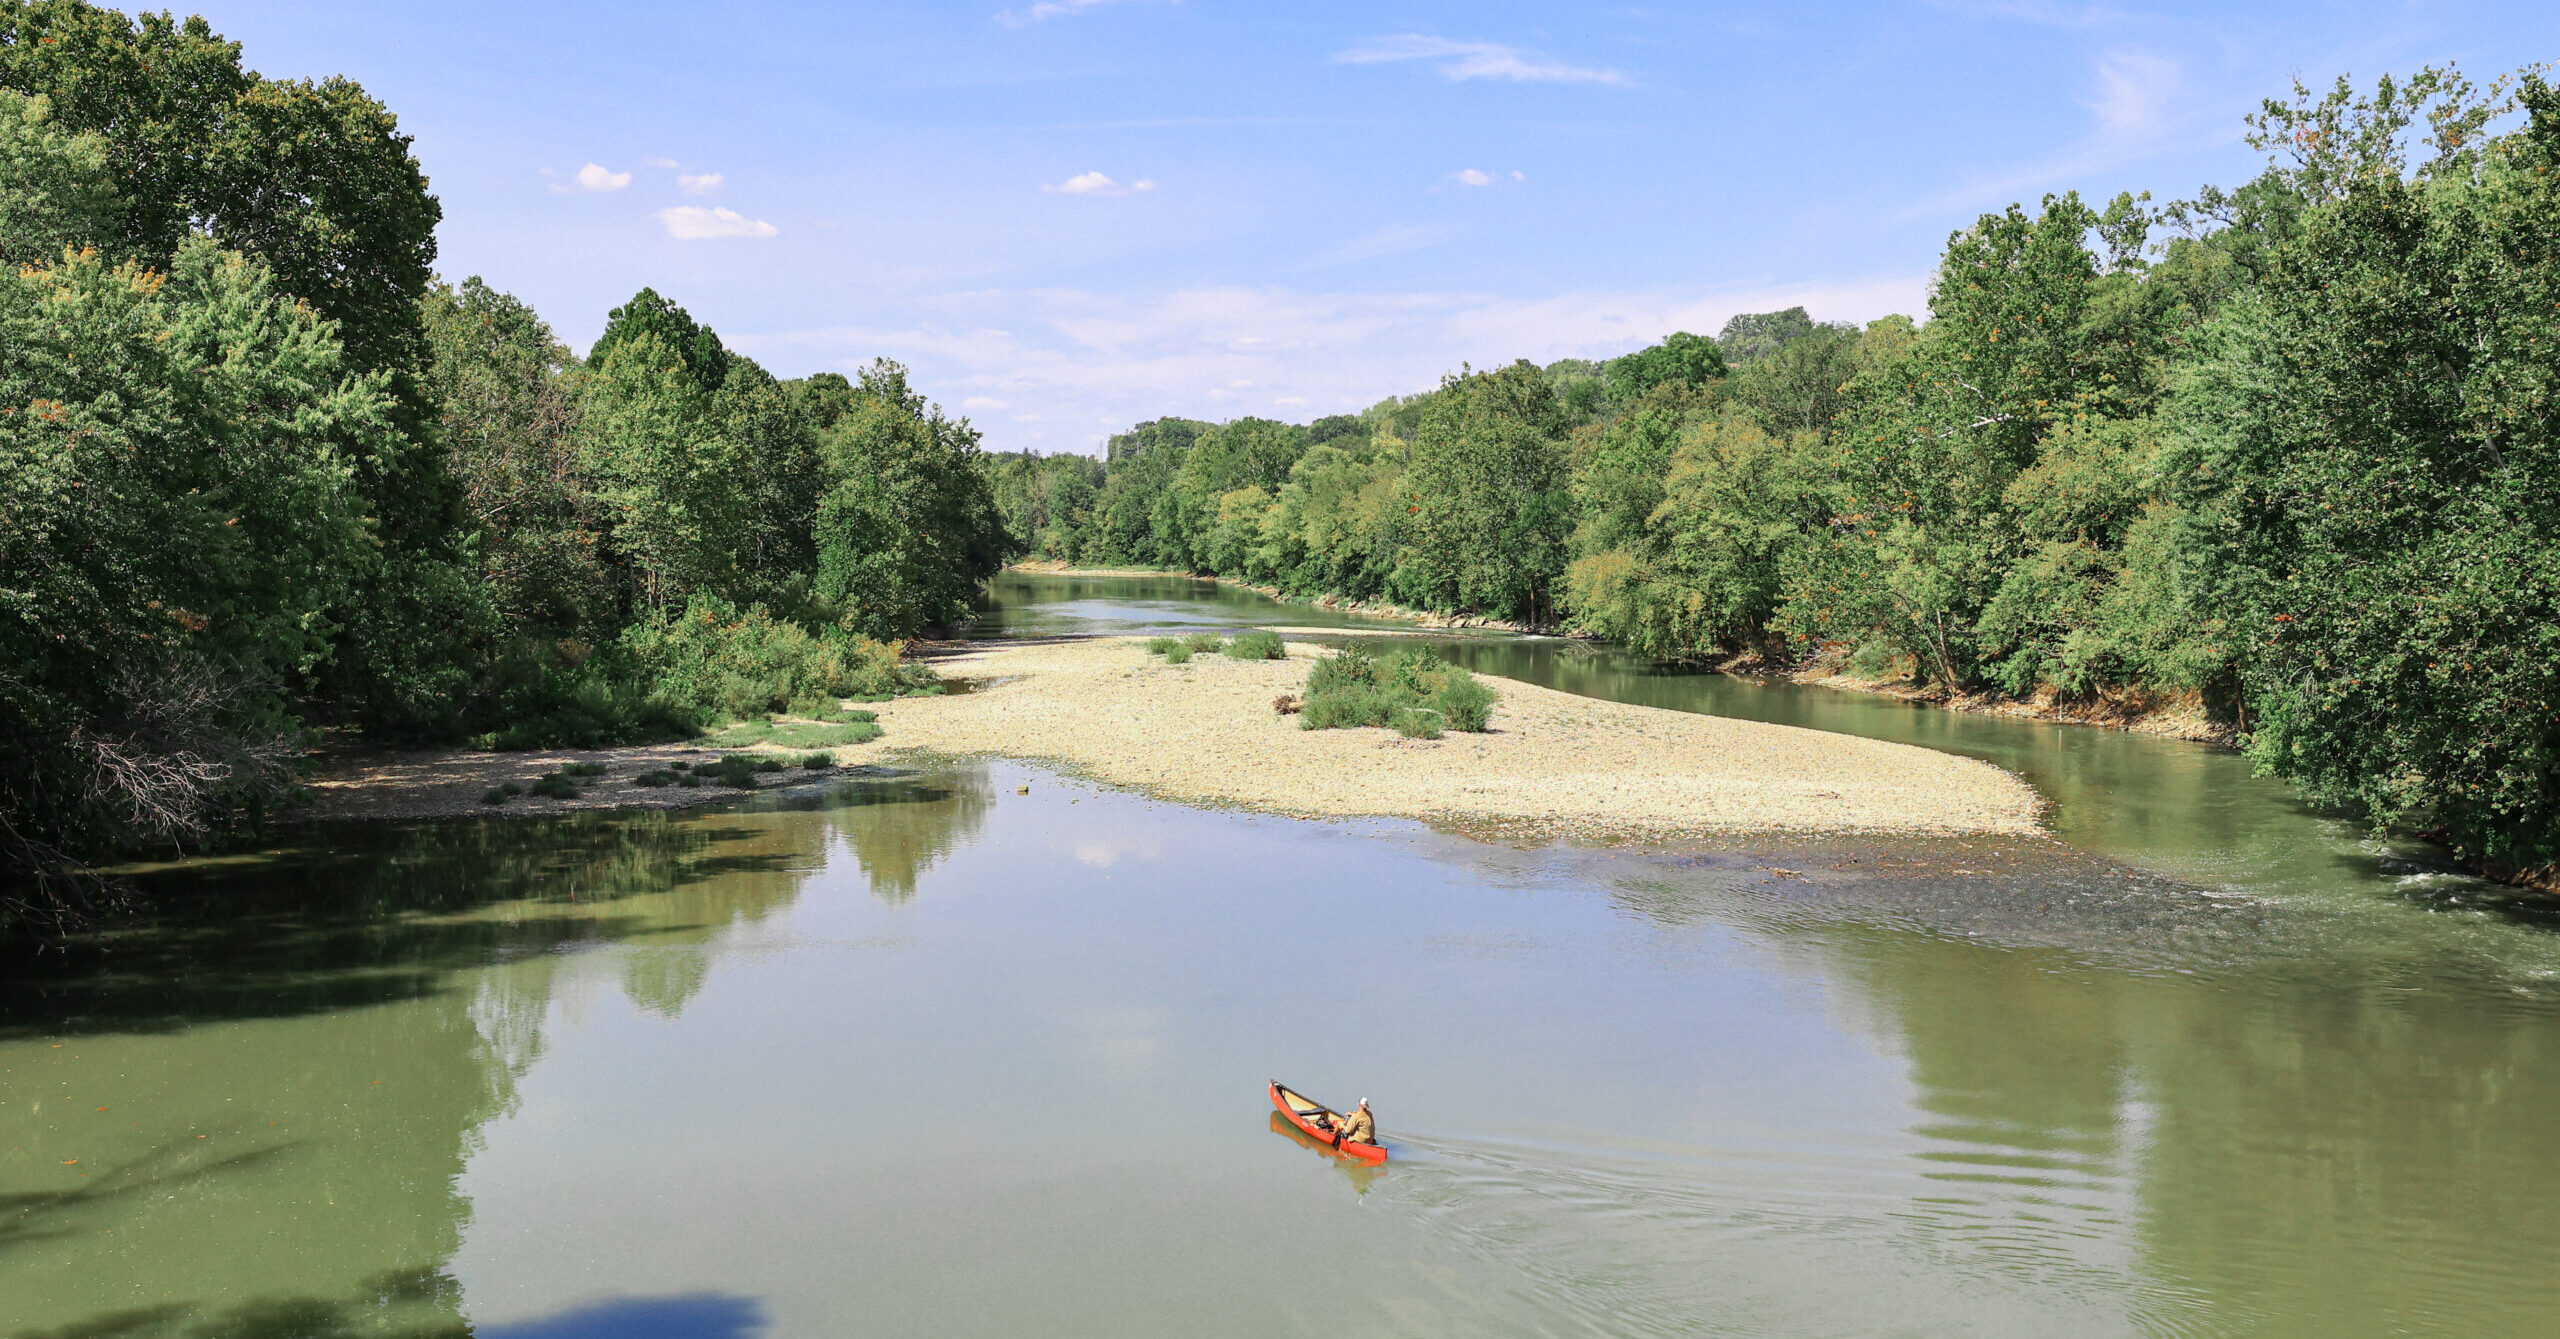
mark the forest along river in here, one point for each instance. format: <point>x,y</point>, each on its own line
<point>924,1055</point>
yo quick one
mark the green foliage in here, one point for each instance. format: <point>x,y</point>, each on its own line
<point>737,771</point>
<point>556,787</point>
<point>1257,645</point>
<point>1163,646</point>
<point>1465,703</point>
<point>1413,692</point>
<point>182,517</point>
<point>55,190</point>
<point>494,795</point>
<point>907,527</point>
<point>1491,510</point>
<point>722,662</point>
<point>655,779</point>
<point>1681,359</point>
<point>1203,643</point>
<point>817,762</point>
<point>1178,654</point>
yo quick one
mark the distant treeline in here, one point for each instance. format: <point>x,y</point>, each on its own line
<point>260,468</point>
<point>2286,449</point>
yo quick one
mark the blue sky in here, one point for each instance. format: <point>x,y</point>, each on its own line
<point>1069,215</point>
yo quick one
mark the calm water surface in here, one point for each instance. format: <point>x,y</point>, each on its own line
<point>921,1055</point>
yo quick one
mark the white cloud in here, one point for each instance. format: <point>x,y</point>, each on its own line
<point>699,183</point>
<point>595,178</point>
<point>983,403</point>
<point>1050,9</point>
<point>1471,177</point>
<point>693,223</point>
<point>1476,60</point>
<point>661,162</point>
<point>1094,183</point>
<point>1518,175</point>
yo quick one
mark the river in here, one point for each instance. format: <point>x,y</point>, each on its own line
<point>980,1050</point>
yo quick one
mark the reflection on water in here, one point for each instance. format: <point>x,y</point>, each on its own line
<point>1360,1174</point>
<point>921,1055</point>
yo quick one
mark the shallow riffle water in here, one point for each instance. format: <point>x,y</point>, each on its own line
<point>921,1053</point>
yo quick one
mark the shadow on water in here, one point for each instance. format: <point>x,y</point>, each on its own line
<point>427,1304</point>
<point>690,1316</point>
<point>361,915</point>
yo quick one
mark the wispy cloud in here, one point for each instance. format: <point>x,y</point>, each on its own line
<point>1468,176</point>
<point>1094,183</point>
<point>2134,89</point>
<point>701,183</point>
<point>1073,366</point>
<point>1476,60</point>
<point>693,223</point>
<point>1051,9</point>
<point>1393,240</point>
<point>661,162</point>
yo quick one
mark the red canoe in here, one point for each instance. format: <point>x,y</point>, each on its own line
<point>1302,1111</point>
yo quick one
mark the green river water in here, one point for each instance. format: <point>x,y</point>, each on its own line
<point>922,1055</point>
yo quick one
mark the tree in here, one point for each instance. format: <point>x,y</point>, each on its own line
<point>1489,481</point>
<point>54,187</point>
<point>1681,359</point>
<point>2372,452</point>
<point>907,529</point>
<point>509,417</point>
<point>177,465</point>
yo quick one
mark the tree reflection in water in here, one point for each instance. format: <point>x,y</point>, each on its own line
<point>316,1034</point>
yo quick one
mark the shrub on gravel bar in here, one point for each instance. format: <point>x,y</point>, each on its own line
<point>1257,645</point>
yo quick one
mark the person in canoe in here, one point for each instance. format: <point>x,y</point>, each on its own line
<point>1356,1128</point>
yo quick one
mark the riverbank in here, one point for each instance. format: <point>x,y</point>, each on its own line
<point>2168,716</point>
<point>1553,764</point>
<point>1333,603</point>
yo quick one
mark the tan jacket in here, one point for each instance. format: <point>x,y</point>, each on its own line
<point>1357,1127</point>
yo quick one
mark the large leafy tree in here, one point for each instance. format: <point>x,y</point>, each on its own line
<point>509,416</point>
<point>316,181</point>
<point>177,474</point>
<point>2375,441</point>
<point>907,528</point>
<point>1492,511</point>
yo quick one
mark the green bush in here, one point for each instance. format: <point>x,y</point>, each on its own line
<point>1413,692</point>
<point>688,780</point>
<point>735,771</point>
<point>1342,669</point>
<point>861,717</point>
<point>1257,645</point>
<point>766,764</point>
<point>512,788</point>
<point>1465,703</point>
<point>655,779</point>
<point>726,663</point>
<point>1178,654</point>
<point>1203,643</point>
<point>1348,707</point>
<point>556,787</point>
<point>818,762</point>
<point>494,795</point>
<point>1163,646</point>
<point>582,769</point>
